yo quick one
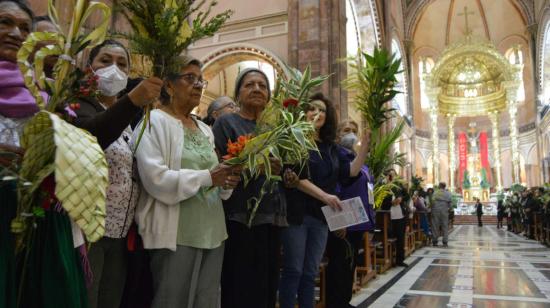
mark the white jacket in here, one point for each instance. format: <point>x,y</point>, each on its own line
<point>163,183</point>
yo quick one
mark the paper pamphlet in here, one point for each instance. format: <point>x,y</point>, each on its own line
<point>352,213</point>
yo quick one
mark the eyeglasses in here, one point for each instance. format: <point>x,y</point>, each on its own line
<point>194,80</point>
<point>229,105</point>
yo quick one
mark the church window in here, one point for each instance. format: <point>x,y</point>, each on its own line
<point>400,100</point>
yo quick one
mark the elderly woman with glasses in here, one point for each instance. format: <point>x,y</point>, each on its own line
<point>179,213</point>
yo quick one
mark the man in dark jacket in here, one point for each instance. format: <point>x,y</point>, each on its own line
<point>479,212</point>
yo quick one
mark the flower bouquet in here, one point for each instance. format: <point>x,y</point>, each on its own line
<point>161,32</point>
<point>53,146</point>
<point>282,133</point>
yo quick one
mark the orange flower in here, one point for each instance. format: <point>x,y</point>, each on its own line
<point>235,148</point>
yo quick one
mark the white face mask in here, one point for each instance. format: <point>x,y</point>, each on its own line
<point>111,80</point>
<point>349,140</point>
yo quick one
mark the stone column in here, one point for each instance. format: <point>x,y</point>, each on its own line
<point>435,145</point>
<point>432,94</point>
<point>317,37</point>
<point>493,116</point>
<point>452,153</point>
<point>514,141</point>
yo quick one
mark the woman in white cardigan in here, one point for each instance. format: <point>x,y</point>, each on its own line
<point>180,214</point>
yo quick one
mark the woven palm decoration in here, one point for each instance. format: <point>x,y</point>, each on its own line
<point>78,163</point>
<point>52,145</point>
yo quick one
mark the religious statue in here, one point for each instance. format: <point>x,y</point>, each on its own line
<point>475,183</point>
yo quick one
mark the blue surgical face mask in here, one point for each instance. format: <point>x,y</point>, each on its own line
<point>349,140</point>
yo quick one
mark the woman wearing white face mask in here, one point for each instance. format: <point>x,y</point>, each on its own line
<point>108,117</point>
<point>343,245</point>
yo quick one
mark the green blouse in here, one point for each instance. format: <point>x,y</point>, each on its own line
<point>201,222</point>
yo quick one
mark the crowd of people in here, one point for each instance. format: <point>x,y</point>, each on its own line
<point>175,199</point>
<point>519,208</point>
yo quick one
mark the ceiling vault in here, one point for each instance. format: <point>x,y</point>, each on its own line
<point>449,20</point>
<point>484,19</point>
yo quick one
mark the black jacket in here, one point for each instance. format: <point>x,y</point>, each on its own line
<point>479,209</point>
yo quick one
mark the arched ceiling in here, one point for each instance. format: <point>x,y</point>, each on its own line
<point>435,25</point>
<point>438,23</point>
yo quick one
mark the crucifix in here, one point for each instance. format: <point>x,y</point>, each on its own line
<point>465,14</point>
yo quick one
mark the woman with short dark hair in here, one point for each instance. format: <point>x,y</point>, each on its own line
<point>250,267</point>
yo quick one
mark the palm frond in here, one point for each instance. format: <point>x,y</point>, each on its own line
<point>161,30</point>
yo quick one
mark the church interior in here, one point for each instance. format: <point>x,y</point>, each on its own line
<point>474,97</point>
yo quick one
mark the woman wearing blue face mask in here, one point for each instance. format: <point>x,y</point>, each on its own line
<point>108,117</point>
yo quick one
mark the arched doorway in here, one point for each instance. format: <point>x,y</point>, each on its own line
<point>222,67</point>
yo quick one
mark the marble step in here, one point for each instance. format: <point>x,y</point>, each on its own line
<point>472,219</point>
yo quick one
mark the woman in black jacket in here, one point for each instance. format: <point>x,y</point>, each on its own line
<point>108,117</point>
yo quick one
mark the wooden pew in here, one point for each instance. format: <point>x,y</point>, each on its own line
<point>421,238</point>
<point>321,283</point>
<point>384,250</point>
<point>367,272</point>
<point>537,226</point>
<point>410,242</point>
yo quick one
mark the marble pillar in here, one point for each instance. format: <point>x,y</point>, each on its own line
<point>493,116</point>
<point>514,141</point>
<point>452,152</point>
<point>435,145</point>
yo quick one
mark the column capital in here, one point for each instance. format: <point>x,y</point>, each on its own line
<point>409,45</point>
<point>532,29</point>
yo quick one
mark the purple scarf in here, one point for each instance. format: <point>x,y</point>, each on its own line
<point>16,101</point>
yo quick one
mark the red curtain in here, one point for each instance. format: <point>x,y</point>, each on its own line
<point>484,152</point>
<point>462,156</point>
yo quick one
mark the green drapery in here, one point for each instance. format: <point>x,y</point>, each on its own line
<point>53,276</point>
<point>7,258</point>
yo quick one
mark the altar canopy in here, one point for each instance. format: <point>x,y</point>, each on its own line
<point>473,84</point>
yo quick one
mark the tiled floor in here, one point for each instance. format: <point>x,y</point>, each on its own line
<point>483,267</point>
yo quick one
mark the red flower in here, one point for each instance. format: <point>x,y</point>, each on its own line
<point>74,106</point>
<point>290,102</point>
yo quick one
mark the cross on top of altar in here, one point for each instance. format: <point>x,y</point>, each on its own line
<point>468,31</point>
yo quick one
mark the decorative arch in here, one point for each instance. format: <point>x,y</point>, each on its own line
<point>512,40</point>
<point>222,66</point>
<point>239,52</point>
<point>532,155</point>
<point>543,53</point>
<point>359,6</point>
